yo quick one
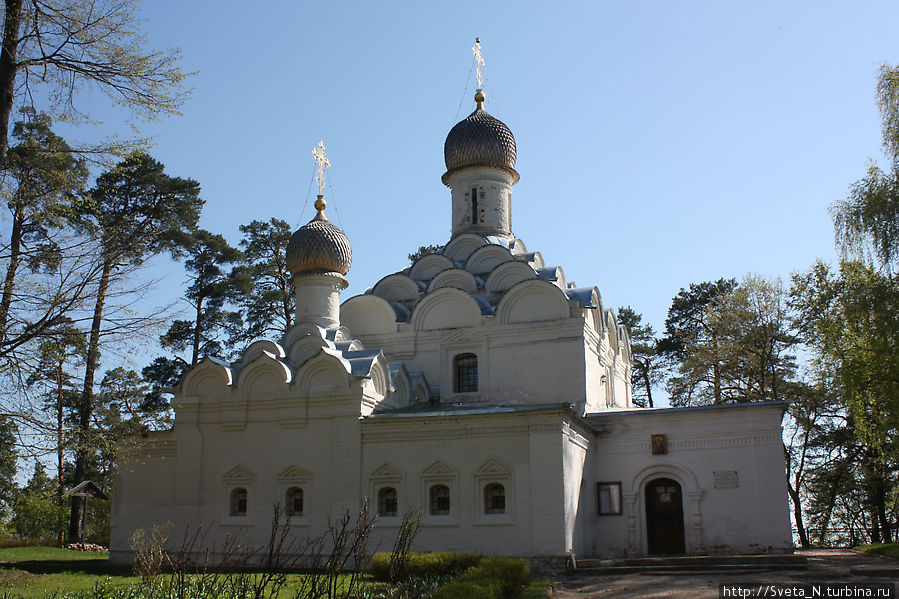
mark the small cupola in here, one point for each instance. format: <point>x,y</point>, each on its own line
<point>480,155</point>
<point>318,256</point>
<point>479,140</point>
<point>319,247</point>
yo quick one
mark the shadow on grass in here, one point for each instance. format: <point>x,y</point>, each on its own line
<point>99,567</point>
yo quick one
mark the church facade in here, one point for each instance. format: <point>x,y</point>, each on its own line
<point>477,385</point>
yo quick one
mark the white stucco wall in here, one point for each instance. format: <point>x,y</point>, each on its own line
<point>745,438</point>
<point>521,450</point>
<point>344,459</point>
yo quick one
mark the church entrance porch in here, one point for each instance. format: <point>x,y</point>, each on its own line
<point>664,517</point>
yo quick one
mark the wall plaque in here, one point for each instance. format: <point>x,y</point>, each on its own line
<point>726,479</point>
<point>659,444</point>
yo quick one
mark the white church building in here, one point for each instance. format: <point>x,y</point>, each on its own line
<point>477,385</point>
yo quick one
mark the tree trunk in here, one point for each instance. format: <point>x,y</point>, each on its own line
<point>15,251</point>
<point>60,486</point>
<point>828,514</point>
<point>880,497</point>
<point>647,383</point>
<point>8,66</point>
<point>198,332</point>
<point>86,407</point>
<point>716,382</point>
<point>797,514</point>
<point>797,504</point>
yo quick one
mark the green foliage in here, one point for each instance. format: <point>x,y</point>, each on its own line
<point>507,576</point>
<point>211,286</point>
<point>41,179</point>
<point>687,318</point>
<point>36,512</point>
<point>848,321</point>
<point>729,343</point>
<point>424,564</point>
<point>61,48</point>
<point>494,577</point>
<point>136,211</point>
<point>8,459</point>
<point>163,373</point>
<point>267,307</point>
<point>538,588</point>
<point>464,589</point>
<point>888,104</point>
<point>888,549</point>
<point>866,223</point>
<point>48,554</point>
<point>139,211</point>
<point>645,357</point>
<point>424,251</point>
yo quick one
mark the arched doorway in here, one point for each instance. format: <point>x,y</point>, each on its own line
<point>664,517</point>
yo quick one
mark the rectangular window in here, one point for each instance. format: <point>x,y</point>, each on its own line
<point>466,373</point>
<point>440,500</point>
<point>387,501</point>
<point>608,498</point>
<point>494,499</point>
<point>474,205</point>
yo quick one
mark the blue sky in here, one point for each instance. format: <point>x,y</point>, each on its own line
<point>660,143</point>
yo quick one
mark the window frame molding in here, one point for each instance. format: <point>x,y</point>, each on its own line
<point>387,475</point>
<point>464,342</point>
<point>457,370</point>
<point>494,470</point>
<point>440,473</point>
<point>613,484</point>
<point>238,477</point>
<point>294,476</point>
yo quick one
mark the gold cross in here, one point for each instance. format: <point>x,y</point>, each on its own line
<point>318,152</point>
<point>479,58</point>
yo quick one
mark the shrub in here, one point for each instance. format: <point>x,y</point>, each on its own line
<point>462,589</point>
<point>441,563</point>
<point>508,575</point>
<point>37,517</point>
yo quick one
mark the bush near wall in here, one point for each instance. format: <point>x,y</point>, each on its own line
<point>491,577</point>
<point>463,590</point>
<point>433,563</point>
<point>506,576</point>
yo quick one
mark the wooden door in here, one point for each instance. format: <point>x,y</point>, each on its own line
<point>664,517</point>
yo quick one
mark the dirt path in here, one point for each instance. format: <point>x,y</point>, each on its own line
<point>824,565</point>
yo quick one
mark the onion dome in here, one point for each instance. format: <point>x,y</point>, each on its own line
<point>319,247</point>
<point>479,140</point>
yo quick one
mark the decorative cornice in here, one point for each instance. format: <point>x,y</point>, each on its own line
<point>642,444</point>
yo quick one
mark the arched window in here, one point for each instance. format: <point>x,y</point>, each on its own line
<point>440,500</point>
<point>494,499</point>
<point>294,501</point>
<point>387,501</point>
<point>238,505</point>
<point>465,373</point>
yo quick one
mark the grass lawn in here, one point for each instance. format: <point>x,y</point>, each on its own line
<point>34,572</point>
<point>888,549</point>
<point>536,589</point>
<point>48,554</point>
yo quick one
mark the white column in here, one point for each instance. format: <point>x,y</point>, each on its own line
<point>490,213</point>
<point>318,298</point>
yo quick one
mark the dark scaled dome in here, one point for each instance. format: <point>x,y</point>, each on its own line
<point>479,140</point>
<point>319,247</point>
